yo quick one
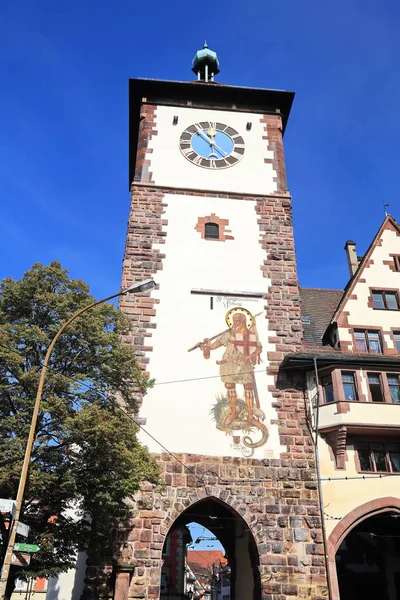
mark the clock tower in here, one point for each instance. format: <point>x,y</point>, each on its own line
<point>210,221</point>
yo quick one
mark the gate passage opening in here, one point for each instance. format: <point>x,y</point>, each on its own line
<point>210,552</point>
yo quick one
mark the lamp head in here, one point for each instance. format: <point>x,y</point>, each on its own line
<point>140,286</point>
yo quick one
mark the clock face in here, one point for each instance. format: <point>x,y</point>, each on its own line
<point>212,145</point>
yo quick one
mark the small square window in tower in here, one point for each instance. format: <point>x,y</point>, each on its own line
<point>211,231</point>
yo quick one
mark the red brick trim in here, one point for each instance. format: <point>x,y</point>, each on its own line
<point>392,227</point>
<point>273,128</point>
<point>337,440</point>
<point>222,223</point>
<point>343,318</point>
<point>337,387</point>
<point>391,263</point>
<point>342,529</point>
<point>147,128</point>
<point>342,408</point>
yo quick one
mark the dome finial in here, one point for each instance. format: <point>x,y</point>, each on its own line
<point>205,64</point>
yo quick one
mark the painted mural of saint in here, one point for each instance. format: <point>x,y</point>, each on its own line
<point>241,355</point>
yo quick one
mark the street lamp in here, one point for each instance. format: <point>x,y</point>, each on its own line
<point>141,286</point>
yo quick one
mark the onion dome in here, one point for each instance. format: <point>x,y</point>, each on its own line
<point>205,64</point>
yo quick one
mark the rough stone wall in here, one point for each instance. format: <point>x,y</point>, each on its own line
<point>278,498</point>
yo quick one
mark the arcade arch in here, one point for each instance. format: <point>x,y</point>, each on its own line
<point>364,551</point>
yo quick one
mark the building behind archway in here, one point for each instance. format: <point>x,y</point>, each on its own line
<point>351,360</point>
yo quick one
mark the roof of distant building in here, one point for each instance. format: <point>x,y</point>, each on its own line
<point>206,558</point>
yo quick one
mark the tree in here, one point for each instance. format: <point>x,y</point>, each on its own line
<point>86,460</point>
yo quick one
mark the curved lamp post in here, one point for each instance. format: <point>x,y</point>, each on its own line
<point>142,286</point>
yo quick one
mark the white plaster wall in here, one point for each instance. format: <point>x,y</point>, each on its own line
<point>378,276</point>
<point>170,168</point>
<point>69,585</point>
<point>340,496</point>
<point>178,408</point>
<point>370,413</point>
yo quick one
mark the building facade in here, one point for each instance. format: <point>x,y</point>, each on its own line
<point>351,360</point>
<point>274,416</point>
<point>210,220</point>
<point>173,571</point>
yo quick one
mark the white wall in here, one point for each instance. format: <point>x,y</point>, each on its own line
<point>341,495</point>
<point>371,413</point>
<point>170,168</point>
<point>69,585</point>
<point>178,408</point>
<point>378,276</point>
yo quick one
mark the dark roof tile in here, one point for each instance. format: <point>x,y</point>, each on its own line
<point>317,308</point>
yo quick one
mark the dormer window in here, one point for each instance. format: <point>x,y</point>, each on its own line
<point>211,231</point>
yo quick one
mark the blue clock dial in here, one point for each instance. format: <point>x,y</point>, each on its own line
<point>212,145</point>
<point>218,146</point>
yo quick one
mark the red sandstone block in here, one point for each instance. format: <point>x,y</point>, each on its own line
<point>141,546</point>
<point>146,535</point>
<point>272,559</point>
<point>152,514</point>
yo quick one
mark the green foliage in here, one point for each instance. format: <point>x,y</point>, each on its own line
<point>86,459</point>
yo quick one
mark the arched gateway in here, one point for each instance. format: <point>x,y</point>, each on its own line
<point>236,536</point>
<point>270,528</point>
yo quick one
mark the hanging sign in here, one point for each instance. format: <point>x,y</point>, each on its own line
<point>7,506</point>
<point>19,547</point>
<point>20,559</point>
<point>23,529</point>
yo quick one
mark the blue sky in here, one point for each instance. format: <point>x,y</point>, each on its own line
<point>63,98</point>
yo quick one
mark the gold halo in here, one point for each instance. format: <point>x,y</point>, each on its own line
<point>241,310</point>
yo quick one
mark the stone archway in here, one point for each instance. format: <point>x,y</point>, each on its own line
<point>236,536</point>
<point>347,524</point>
<point>143,542</point>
